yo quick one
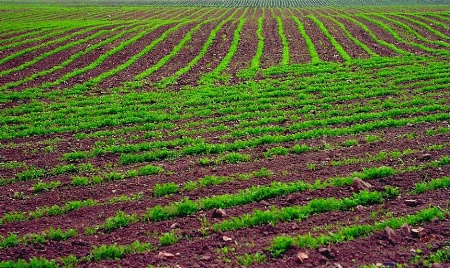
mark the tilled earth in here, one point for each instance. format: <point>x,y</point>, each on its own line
<point>418,152</point>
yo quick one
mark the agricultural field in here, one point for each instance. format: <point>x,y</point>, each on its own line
<point>271,135</point>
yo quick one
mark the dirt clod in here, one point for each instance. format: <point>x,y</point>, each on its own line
<point>219,213</point>
<point>360,185</point>
<point>301,256</point>
<point>165,255</point>
<point>412,202</point>
<point>390,234</point>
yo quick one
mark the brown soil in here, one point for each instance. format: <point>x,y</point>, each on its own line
<point>298,50</point>
<point>190,50</point>
<point>273,49</point>
<point>364,37</point>
<point>247,43</point>
<point>31,55</point>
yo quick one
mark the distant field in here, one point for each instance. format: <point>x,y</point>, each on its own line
<point>210,136</point>
<point>235,3</point>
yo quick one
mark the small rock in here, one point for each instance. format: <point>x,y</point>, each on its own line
<point>390,264</point>
<point>389,233</point>
<point>205,258</point>
<point>219,213</point>
<point>425,157</point>
<point>324,251</point>
<point>337,265</point>
<point>359,185</point>
<point>302,256</point>
<point>412,202</point>
<point>294,226</point>
<point>175,226</point>
<point>378,264</point>
<point>226,238</point>
<point>359,208</point>
<point>178,254</point>
<point>417,232</point>
<point>165,255</point>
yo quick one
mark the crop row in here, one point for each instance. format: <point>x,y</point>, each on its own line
<point>338,20</point>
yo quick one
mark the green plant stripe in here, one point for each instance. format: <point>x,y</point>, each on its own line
<point>400,39</point>
<point>135,57</point>
<point>351,37</point>
<point>415,33</point>
<point>66,62</point>
<point>142,53</point>
<point>102,252</point>
<point>187,207</point>
<point>434,22</point>
<point>206,148</point>
<point>374,37</point>
<point>256,60</point>
<point>30,49</point>
<point>257,193</point>
<point>54,51</point>
<point>163,61</point>
<point>159,190</point>
<point>259,217</point>
<point>52,234</point>
<point>281,243</point>
<point>209,77</point>
<point>433,184</point>
<point>333,41</point>
<point>309,43</point>
<point>299,213</point>
<point>250,127</point>
<point>87,107</point>
<point>284,42</point>
<point>426,26</point>
<point>29,38</point>
<point>170,80</point>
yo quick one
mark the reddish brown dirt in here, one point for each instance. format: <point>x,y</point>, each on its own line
<point>151,58</point>
<point>54,60</point>
<point>273,49</point>
<point>436,27</point>
<point>418,28</point>
<point>118,58</point>
<point>247,44</point>
<point>147,61</point>
<point>349,46</point>
<point>385,36</point>
<point>323,46</point>
<point>298,50</point>
<point>409,36</point>
<point>199,246</point>
<point>213,56</point>
<point>364,37</point>
<point>29,56</point>
<point>79,63</point>
<point>190,50</point>
<point>297,165</point>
